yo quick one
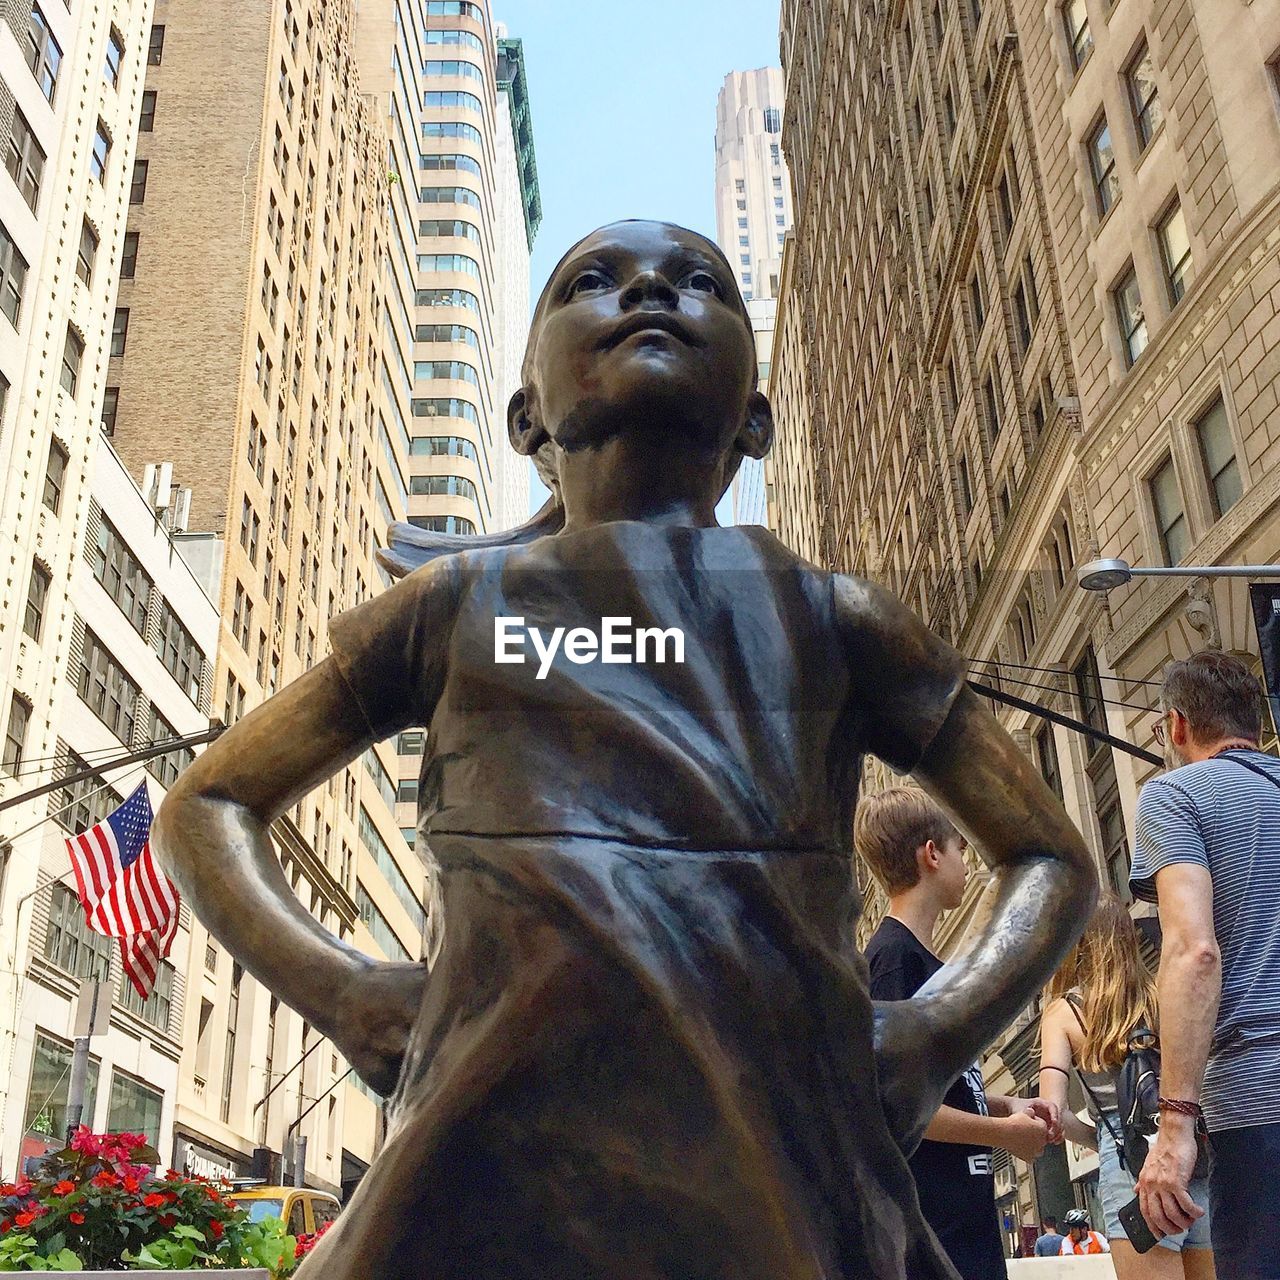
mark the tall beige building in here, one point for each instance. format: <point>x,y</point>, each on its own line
<point>70,95</point>
<point>1029,317</point>
<point>753,214</point>
<point>254,349</point>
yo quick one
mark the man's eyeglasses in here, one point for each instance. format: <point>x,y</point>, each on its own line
<point>1158,729</point>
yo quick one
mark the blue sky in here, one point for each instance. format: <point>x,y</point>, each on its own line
<point>623,96</point>
<point>624,106</point>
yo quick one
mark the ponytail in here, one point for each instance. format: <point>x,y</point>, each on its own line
<point>409,547</point>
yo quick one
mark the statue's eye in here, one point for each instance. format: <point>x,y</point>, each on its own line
<point>705,282</point>
<point>587,282</point>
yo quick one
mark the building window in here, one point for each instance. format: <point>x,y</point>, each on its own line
<point>1033,296</point>
<point>978,301</point>
<point>1129,315</point>
<point>72,355</point>
<point>13,276</point>
<point>1076,20</point>
<point>46,1110</point>
<point>1102,167</point>
<point>772,120</point>
<point>129,256</point>
<point>85,803</point>
<point>155,48</point>
<point>1022,317</point>
<point>1218,453</point>
<point>121,575</point>
<point>1047,759</point>
<point>15,736</point>
<point>37,597</point>
<point>115,56</point>
<point>949,110</point>
<point>147,120</point>
<point>101,150</point>
<point>157,1008</point>
<point>107,689</point>
<point>1175,252</point>
<point>44,54</point>
<point>165,768</point>
<point>88,254</point>
<point>120,331</point>
<point>25,160</point>
<point>1170,515</point>
<point>138,184</point>
<point>110,407</point>
<point>966,485</point>
<point>1144,101</point>
<point>69,943</point>
<point>55,475</point>
<point>991,398</point>
<point>133,1108</point>
<point>179,652</point>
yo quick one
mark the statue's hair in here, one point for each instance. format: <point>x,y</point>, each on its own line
<point>410,547</point>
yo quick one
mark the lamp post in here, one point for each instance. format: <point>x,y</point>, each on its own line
<point>1104,575</point>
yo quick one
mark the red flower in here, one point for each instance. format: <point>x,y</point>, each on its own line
<point>154,1200</point>
<point>166,1220</point>
<point>77,1218</point>
<point>216,1229</point>
<point>63,1188</point>
<point>25,1219</point>
<point>6,1225</point>
<point>131,1185</point>
<point>106,1179</point>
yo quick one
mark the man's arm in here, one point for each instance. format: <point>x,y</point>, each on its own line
<point>1189,985</point>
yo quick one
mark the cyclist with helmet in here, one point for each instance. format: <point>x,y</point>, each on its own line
<point>1079,1238</point>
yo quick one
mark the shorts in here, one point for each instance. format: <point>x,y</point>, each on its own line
<point>1115,1189</point>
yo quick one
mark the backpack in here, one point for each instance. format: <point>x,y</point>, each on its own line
<point>1138,1098</point>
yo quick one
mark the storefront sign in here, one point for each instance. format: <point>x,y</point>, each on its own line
<point>200,1161</point>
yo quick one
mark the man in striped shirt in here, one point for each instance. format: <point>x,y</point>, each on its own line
<point>1208,851</point>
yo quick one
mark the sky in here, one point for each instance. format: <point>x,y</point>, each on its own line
<point>623,97</point>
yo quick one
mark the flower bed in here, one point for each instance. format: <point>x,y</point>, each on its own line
<point>98,1204</point>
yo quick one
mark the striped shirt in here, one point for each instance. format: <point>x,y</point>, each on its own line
<point>1219,815</point>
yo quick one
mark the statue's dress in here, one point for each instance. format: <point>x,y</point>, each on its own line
<point>645,1049</point>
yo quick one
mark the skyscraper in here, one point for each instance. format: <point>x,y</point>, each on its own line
<point>753,214</point>
<point>253,350</point>
<point>70,88</point>
<point>1029,318</point>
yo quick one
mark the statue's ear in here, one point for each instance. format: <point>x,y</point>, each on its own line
<point>755,436</point>
<point>523,429</point>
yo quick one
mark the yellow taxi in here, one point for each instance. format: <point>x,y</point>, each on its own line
<point>301,1209</point>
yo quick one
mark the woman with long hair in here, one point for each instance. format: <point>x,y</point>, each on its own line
<point>1100,996</point>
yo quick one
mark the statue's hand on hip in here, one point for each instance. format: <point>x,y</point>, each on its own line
<point>375,1016</point>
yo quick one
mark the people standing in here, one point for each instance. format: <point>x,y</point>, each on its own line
<point>1208,851</point>
<point>1102,994</point>
<point>1080,1238</point>
<point>1049,1241</point>
<point>918,857</point>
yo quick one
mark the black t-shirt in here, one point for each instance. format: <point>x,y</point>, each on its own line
<point>955,1181</point>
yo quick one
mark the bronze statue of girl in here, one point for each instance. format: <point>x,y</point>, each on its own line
<point>646,1049</point>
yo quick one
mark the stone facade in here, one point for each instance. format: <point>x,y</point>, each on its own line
<point>1030,317</point>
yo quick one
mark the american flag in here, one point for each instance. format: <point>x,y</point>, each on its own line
<point>124,893</point>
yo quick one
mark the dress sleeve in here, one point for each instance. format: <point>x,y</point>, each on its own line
<point>904,677</point>
<point>1167,831</point>
<point>392,649</point>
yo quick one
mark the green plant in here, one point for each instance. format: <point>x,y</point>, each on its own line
<point>98,1205</point>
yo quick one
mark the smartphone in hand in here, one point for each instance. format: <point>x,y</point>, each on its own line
<point>1136,1227</point>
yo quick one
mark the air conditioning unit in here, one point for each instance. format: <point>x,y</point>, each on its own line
<point>181,511</point>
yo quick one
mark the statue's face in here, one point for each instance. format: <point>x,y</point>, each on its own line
<point>641,328</point>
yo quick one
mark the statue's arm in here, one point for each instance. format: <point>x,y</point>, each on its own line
<point>919,715</point>
<point>1044,892</point>
<point>212,834</point>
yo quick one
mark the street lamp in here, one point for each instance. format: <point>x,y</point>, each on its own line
<point>1104,575</point>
